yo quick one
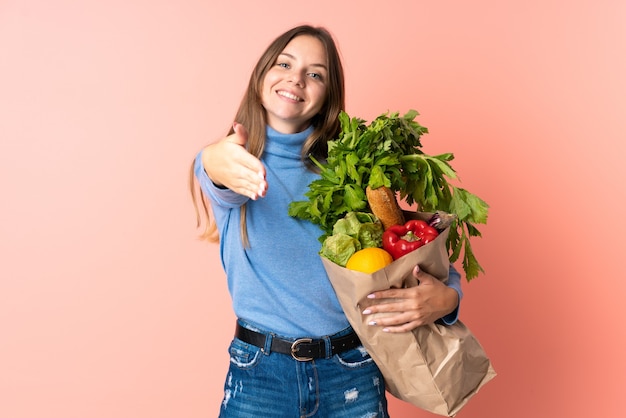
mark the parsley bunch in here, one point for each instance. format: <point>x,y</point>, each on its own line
<point>387,152</point>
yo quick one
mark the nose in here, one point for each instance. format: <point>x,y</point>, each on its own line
<point>297,78</point>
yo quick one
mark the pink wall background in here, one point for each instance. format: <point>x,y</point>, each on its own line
<point>110,307</point>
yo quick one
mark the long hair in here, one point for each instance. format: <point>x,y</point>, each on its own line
<point>252,115</point>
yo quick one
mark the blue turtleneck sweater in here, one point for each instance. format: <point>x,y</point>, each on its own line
<point>279,282</point>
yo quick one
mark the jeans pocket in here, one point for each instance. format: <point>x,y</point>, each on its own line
<point>243,355</point>
<point>355,358</point>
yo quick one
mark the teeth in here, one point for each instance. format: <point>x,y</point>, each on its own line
<point>289,95</point>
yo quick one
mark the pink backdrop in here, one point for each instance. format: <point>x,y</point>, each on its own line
<point>110,307</point>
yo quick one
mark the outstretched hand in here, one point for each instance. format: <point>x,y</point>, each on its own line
<point>229,164</point>
<point>408,308</point>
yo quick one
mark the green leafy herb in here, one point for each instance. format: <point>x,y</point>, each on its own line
<point>387,152</point>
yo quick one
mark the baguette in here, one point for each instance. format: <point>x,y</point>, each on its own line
<point>384,206</point>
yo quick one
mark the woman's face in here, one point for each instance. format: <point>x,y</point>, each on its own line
<point>294,88</point>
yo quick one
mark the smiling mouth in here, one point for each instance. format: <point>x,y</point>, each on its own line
<point>289,96</point>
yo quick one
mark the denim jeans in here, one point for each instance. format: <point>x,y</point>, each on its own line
<point>273,385</point>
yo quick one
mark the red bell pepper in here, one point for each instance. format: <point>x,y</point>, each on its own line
<point>399,240</point>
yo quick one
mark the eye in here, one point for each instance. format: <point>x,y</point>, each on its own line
<point>315,76</point>
<point>282,64</point>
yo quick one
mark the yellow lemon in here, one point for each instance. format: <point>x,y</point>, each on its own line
<point>368,260</point>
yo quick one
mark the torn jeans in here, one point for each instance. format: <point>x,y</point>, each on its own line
<point>260,384</point>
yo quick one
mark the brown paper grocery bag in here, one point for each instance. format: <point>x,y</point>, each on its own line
<point>435,367</point>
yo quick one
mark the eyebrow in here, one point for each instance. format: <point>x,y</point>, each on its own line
<point>294,58</point>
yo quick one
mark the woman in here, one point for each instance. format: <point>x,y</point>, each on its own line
<point>294,353</point>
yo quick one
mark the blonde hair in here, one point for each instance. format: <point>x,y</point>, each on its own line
<point>251,114</point>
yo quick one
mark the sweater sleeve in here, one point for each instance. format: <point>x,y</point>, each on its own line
<point>454,281</point>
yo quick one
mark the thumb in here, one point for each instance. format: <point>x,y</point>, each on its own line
<point>420,276</point>
<point>240,137</point>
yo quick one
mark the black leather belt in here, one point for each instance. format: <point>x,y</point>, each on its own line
<point>301,349</point>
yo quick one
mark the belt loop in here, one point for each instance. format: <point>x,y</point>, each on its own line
<point>328,347</point>
<point>267,348</point>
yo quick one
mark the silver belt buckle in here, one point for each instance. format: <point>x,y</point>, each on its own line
<point>294,349</point>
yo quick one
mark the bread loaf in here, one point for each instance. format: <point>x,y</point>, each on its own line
<point>384,206</point>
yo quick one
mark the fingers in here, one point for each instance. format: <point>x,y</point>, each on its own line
<point>254,183</point>
<point>401,322</point>
<point>251,184</point>
<point>393,315</point>
<point>228,163</point>
<point>403,327</point>
<point>403,309</point>
<point>396,309</point>
<point>254,186</point>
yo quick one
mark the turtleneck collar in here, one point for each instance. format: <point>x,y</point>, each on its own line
<point>285,145</point>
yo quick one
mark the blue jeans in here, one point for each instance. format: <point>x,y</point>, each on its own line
<point>273,385</point>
